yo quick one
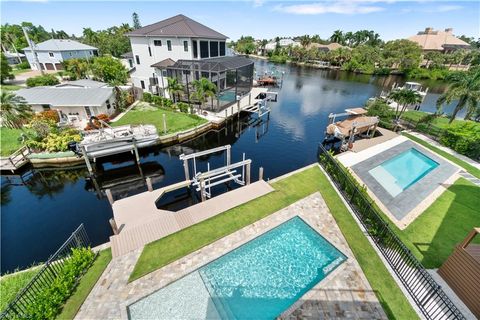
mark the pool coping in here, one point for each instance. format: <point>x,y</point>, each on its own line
<point>409,204</point>
<point>310,216</point>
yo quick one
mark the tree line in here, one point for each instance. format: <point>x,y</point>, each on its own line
<point>365,52</point>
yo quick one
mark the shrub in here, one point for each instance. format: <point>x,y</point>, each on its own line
<point>167,103</point>
<point>48,301</point>
<point>183,107</point>
<point>23,66</point>
<point>147,97</point>
<point>156,100</point>
<point>55,141</point>
<point>278,58</point>
<point>463,138</point>
<point>103,117</point>
<point>51,115</point>
<point>45,80</point>
<point>380,109</point>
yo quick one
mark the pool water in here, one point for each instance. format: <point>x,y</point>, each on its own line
<point>402,171</point>
<point>227,96</point>
<point>258,280</point>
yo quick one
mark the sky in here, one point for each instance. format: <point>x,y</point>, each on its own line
<point>262,19</point>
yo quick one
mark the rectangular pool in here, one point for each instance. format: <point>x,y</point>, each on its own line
<point>258,280</point>
<point>402,171</point>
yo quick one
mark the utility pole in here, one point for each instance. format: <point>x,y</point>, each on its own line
<point>30,43</point>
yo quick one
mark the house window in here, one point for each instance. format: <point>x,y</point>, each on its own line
<point>157,43</point>
<point>164,73</point>
<point>70,54</point>
<point>142,84</point>
<point>91,53</point>
<point>169,45</point>
<point>222,49</point>
<point>108,104</point>
<point>137,59</point>
<point>185,46</point>
<point>149,51</point>
<point>50,54</point>
<point>195,49</point>
<point>203,49</point>
<point>45,107</point>
<point>130,62</point>
<point>213,48</point>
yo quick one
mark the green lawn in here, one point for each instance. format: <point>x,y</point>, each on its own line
<point>434,234</point>
<point>469,168</point>
<point>440,122</point>
<point>86,285</point>
<point>144,114</point>
<point>20,71</point>
<point>10,87</point>
<point>11,284</point>
<point>287,191</point>
<point>9,141</point>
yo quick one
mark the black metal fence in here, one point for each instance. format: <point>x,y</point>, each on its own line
<point>425,127</point>
<point>427,294</point>
<point>18,308</point>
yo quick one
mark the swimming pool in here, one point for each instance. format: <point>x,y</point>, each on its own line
<point>258,280</point>
<point>402,171</point>
<point>227,96</point>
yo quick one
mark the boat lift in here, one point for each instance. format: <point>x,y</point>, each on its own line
<point>204,181</point>
<point>261,107</point>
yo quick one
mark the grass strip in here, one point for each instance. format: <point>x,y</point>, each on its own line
<point>87,282</point>
<point>468,167</point>
<point>287,191</point>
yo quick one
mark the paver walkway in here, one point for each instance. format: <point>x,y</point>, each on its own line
<point>343,294</point>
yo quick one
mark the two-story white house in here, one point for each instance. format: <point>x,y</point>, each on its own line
<point>53,52</point>
<point>159,45</point>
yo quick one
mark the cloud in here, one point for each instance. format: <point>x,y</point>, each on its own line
<point>339,7</point>
<point>448,8</point>
<point>258,3</point>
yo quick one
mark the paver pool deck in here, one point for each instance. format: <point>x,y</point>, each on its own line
<point>343,294</point>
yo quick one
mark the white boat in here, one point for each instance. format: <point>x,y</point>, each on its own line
<point>112,140</point>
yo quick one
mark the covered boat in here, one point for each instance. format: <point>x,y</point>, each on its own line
<point>112,140</point>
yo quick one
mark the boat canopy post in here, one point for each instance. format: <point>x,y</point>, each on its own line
<point>87,160</point>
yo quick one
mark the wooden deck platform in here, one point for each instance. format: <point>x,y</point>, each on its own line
<point>15,160</point>
<point>140,222</point>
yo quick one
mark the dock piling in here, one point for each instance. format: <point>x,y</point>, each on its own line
<point>109,194</point>
<point>87,160</point>
<point>113,224</point>
<point>149,184</point>
<point>164,124</point>
<point>260,173</point>
<point>135,149</point>
<point>247,175</point>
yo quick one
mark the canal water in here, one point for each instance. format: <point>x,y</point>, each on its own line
<point>41,207</point>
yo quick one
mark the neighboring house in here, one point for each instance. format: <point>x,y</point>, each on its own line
<point>441,41</point>
<point>14,58</point>
<point>127,61</point>
<point>326,47</point>
<point>176,38</point>
<point>53,52</point>
<point>76,101</point>
<point>283,43</point>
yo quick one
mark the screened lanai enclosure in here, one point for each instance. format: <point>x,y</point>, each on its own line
<point>233,77</point>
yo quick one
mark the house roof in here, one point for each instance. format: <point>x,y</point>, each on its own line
<point>83,83</point>
<point>60,45</point>
<point>164,63</point>
<point>327,47</point>
<point>9,54</point>
<point>66,96</point>
<point>178,26</point>
<point>438,40</point>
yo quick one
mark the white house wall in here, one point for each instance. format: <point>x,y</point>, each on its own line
<point>58,56</point>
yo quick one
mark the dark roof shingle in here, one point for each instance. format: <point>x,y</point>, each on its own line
<point>163,64</point>
<point>178,25</point>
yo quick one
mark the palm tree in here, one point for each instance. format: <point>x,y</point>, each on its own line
<point>305,40</point>
<point>204,88</point>
<point>263,44</point>
<point>174,88</point>
<point>337,37</point>
<point>404,98</point>
<point>465,88</point>
<point>14,110</point>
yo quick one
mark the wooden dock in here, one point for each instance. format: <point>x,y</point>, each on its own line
<point>15,160</point>
<point>140,222</point>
